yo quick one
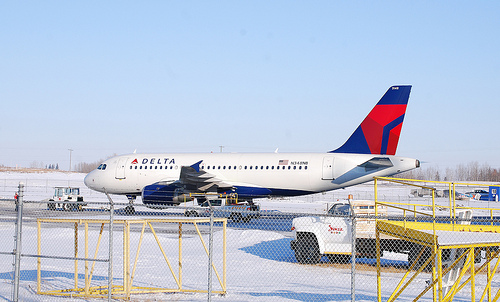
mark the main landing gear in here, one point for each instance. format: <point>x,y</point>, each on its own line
<point>130,210</point>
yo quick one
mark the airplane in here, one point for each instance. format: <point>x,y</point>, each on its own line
<point>168,179</point>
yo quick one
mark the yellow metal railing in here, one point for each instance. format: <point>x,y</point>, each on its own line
<point>425,234</point>
<point>451,196</point>
<point>232,197</point>
<point>123,291</point>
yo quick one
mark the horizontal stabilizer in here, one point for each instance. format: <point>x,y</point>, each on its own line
<point>368,167</point>
<point>377,163</point>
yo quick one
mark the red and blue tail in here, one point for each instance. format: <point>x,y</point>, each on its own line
<point>379,132</point>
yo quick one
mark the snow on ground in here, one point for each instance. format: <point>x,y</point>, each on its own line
<point>261,267</point>
<point>260,264</point>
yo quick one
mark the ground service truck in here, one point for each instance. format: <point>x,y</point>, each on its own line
<point>66,198</point>
<point>227,206</point>
<point>331,234</point>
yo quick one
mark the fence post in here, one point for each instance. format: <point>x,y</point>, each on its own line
<point>210,251</point>
<point>110,248</point>
<point>353,256</point>
<point>17,241</point>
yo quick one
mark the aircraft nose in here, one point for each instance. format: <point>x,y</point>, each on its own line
<point>89,180</point>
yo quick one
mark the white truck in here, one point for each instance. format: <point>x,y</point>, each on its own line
<point>66,198</point>
<point>331,234</point>
<point>228,207</point>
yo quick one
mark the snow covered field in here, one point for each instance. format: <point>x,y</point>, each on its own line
<point>260,264</point>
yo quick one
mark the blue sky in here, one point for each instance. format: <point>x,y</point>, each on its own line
<point>188,76</point>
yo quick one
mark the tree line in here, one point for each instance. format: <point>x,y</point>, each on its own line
<point>87,167</point>
<point>40,165</point>
<point>473,171</point>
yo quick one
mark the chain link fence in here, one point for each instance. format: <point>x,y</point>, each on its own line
<point>194,253</point>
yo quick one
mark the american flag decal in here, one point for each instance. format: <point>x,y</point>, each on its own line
<point>283,162</point>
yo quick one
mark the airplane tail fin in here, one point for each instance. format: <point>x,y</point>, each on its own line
<point>379,132</point>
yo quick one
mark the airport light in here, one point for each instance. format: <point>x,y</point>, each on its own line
<point>70,150</point>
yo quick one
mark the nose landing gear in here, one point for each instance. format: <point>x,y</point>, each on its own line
<point>130,210</point>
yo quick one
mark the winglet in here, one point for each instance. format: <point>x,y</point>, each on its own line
<point>196,166</point>
<point>379,132</point>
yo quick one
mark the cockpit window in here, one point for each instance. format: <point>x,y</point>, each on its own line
<point>101,167</point>
<point>59,192</point>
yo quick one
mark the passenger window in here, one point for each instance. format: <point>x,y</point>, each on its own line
<point>136,167</point>
<point>245,167</point>
<point>262,167</point>
<point>295,167</point>
<point>267,167</point>
<point>289,167</point>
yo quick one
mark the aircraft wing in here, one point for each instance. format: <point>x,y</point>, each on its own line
<point>191,180</point>
<point>194,179</point>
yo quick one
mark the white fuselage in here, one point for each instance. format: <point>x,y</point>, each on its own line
<point>284,174</point>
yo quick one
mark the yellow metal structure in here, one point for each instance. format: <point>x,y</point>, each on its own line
<point>231,198</point>
<point>127,288</point>
<point>463,240</point>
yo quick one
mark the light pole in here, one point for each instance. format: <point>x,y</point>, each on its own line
<point>70,150</point>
